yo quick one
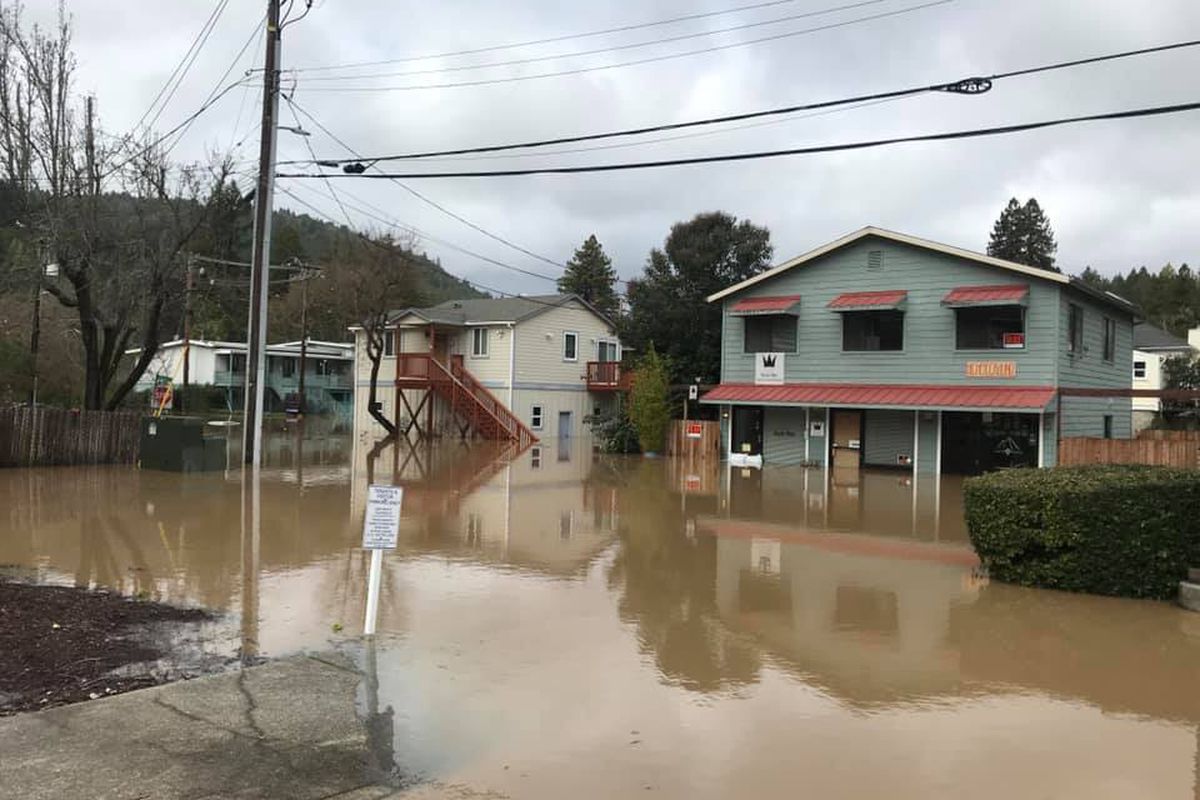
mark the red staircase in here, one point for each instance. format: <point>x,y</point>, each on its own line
<point>470,401</point>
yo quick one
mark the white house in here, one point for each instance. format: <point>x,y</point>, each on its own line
<point>536,366</point>
<point>1151,347</point>
<point>327,379</point>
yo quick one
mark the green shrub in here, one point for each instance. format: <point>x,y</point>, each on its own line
<point>1130,531</point>
<point>649,403</point>
<point>614,431</point>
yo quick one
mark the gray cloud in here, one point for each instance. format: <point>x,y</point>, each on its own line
<point>1119,194</point>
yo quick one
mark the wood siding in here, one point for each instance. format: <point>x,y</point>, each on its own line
<point>1084,416</point>
<point>540,346</point>
<point>1159,452</point>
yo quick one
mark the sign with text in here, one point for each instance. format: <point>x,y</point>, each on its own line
<point>991,369</point>
<point>768,369</point>
<point>694,430</point>
<point>381,527</point>
<point>1014,341</point>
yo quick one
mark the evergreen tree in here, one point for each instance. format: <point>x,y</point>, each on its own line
<point>590,275</point>
<point>649,403</point>
<point>1023,234</point>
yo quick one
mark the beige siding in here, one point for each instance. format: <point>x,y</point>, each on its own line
<point>492,369</point>
<point>540,345</point>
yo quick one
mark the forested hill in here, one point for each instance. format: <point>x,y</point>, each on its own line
<point>1169,297</point>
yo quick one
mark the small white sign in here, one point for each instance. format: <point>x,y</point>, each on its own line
<point>768,369</point>
<point>381,527</point>
<point>816,429</point>
<point>693,392</point>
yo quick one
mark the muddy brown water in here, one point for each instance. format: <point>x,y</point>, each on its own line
<point>558,623</point>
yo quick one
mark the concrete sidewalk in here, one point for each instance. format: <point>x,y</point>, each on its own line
<point>286,729</point>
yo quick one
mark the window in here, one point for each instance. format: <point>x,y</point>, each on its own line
<point>238,363</point>
<point>1139,369</point>
<point>1075,329</point>
<point>989,328</point>
<point>535,418</point>
<point>535,458</point>
<point>570,346</point>
<point>479,342</point>
<point>287,366</point>
<point>1108,426</point>
<point>872,330</point>
<point>606,351</point>
<point>389,343</point>
<point>770,333</point>
<point>1110,339</point>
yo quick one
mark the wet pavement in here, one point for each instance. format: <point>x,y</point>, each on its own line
<point>558,623</point>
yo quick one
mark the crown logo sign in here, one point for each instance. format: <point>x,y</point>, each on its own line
<point>768,361</point>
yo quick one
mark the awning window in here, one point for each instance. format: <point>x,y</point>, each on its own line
<point>1004,295</point>
<point>869,301</point>
<point>752,306</point>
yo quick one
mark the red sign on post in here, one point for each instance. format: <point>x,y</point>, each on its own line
<point>694,430</point>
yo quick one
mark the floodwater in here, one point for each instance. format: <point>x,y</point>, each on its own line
<point>557,623</point>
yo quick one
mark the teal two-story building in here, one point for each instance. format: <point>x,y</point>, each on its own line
<point>883,349</point>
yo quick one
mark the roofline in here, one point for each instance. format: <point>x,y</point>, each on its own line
<point>543,307</point>
<point>903,238</point>
<point>1164,348</point>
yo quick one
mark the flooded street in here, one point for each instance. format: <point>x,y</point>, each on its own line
<point>558,623</point>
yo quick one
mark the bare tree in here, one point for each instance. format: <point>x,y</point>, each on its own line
<point>374,278</point>
<point>113,219</point>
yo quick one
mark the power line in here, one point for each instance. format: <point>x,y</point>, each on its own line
<point>430,201</point>
<point>548,40</point>
<point>976,85</point>
<point>828,148</point>
<point>639,61</point>
<point>184,65</point>
<point>599,50</point>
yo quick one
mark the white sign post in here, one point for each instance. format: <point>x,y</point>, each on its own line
<point>381,528</point>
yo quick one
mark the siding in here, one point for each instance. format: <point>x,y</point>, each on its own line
<point>928,427</point>
<point>886,435</point>
<point>540,346</point>
<point>784,435</point>
<point>1084,416</point>
<point>929,355</point>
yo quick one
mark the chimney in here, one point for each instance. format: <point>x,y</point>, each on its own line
<point>1194,337</point>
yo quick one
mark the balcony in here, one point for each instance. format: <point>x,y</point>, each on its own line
<point>608,376</point>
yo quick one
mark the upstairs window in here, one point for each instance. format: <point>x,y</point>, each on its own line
<point>871,331</point>
<point>770,333</point>
<point>479,342</point>
<point>535,418</point>
<point>1075,329</point>
<point>1139,370</point>
<point>389,343</point>
<point>989,328</point>
<point>1110,339</point>
<point>570,346</point>
<point>606,351</point>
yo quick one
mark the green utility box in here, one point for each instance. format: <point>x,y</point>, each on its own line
<point>181,444</point>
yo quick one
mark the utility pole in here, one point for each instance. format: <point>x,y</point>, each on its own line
<point>190,284</point>
<point>35,333</point>
<point>256,356</point>
<point>303,337</point>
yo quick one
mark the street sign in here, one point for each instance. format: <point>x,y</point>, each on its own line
<point>381,527</point>
<point>693,392</point>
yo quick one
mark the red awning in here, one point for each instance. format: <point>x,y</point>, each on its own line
<point>1003,295</point>
<point>782,304</point>
<point>868,301</point>
<point>1027,398</point>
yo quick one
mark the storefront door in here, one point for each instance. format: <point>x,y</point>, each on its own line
<point>847,439</point>
<point>748,429</point>
<point>974,442</point>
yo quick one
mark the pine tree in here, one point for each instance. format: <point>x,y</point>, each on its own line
<point>1023,234</point>
<point>590,275</point>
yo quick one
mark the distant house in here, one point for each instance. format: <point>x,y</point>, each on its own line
<point>1151,347</point>
<point>328,383</point>
<point>884,349</point>
<point>501,368</point>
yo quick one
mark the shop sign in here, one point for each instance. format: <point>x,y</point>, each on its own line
<point>991,369</point>
<point>694,430</point>
<point>1014,341</point>
<point>768,369</point>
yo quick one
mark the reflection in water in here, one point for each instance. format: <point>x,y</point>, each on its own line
<point>556,619</point>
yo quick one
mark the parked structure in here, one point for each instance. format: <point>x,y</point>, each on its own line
<point>328,384</point>
<point>1151,347</point>
<point>521,368</point>
<point>884,349</point>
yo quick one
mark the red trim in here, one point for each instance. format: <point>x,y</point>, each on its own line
<point>868,300</point>
<point>761,305</point>
<point>1029,398</point>
<point>1004,293</point>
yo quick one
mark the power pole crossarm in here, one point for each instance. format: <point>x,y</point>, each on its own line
<point>256,356</point>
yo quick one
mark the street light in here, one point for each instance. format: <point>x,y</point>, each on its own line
<point>296,129</point>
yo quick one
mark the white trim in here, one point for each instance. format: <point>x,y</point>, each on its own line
<point>807,448</point>
<point>727,413</point>
<point>487,345</point>
<point>829,446</point>
<point>903,238</point>
<point>541,415</point>
<point>916,443</point>
<point>1041,439</point>
<point>937,456</point>
<point>575,357</point>
<point>512,362</point>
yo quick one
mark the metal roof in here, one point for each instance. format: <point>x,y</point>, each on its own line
<point>856,301</point>
<point>1152,337</point>
<point>1005,294</point>
<point>861,395</point>
<point>766,305</point>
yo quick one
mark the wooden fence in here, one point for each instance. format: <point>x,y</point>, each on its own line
<point>43,437</point>
<point>1165,452</point>
<point>1170,436</point>
<point>706,443</point>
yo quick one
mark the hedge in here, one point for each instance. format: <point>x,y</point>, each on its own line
<point>1129,531</point>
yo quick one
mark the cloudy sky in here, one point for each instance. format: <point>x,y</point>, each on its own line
<point>1119,194</point>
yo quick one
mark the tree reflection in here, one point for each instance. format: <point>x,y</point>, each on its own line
<point>667,582</point>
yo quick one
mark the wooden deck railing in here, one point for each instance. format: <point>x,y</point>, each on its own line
<point>608,376</point>
<point>466,395</point>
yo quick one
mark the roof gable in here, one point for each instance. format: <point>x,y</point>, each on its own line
<point>484,310</point>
